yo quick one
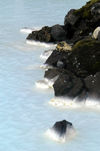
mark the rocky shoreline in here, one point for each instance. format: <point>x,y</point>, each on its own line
<point>76,59</point>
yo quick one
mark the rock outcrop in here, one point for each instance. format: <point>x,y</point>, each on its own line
<point>62,127</point>
<point>76,59</point>
<point>43,35</point>
<point>81,22</point>
<point>84,59</point>
<point>78,24</point>
<point>47,34</point>
<point>78,75</point>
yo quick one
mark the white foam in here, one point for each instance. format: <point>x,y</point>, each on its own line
<point>61,102</point>
<point>46,54</point>
<point>38,66</point>
<point>41,44</point>
<point>42,84</point>
<point>61,139</point>
<point>92,103</point>
<point>45,66</point>
<point>45,83</point>
<point>27,30</point>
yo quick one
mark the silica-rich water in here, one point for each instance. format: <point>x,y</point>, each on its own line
<point>25,114</point>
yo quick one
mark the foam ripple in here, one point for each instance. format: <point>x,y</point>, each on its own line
<point>46,66</point>
<point>41,44</point>
<point>61,139</point>
<point>27,30</point>
<point>46,54</point>
<point>44,84</point>
<point>61,102</point>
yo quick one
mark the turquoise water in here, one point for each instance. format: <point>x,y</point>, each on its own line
<point>25,114</point>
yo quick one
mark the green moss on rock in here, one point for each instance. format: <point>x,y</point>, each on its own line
<point>86,43</point>
<point>85,11</point>
<point>86,55</point>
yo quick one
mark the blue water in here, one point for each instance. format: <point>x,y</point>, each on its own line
<point>25,114</point>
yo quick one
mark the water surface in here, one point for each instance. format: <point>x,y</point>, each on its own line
<point>25,114</point>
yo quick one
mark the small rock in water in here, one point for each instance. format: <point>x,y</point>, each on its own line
<point>62,127</point>
<point>61,131</point>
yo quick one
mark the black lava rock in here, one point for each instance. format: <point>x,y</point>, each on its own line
<point>58,33</point>
<point>62,127</point>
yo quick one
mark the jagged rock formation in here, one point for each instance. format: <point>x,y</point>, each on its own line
<point>76,59</point>
<point>77,25</point>
<point>80,70</point>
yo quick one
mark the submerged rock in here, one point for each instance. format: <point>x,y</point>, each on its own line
<point>62,128</point>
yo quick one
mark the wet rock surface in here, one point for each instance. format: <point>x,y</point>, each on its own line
<point>43,35</point>
<point>78,24</point>
<point>92,83</point>
<point>58,33</point>
<point>79,73</point>
<point>47,34</point>
<point>84,59</point>
<point>76,59</point>
<point>58,56</point>
<point>68,85</point>
<point>62,127</point>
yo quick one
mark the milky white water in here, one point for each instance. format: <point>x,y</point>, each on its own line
<point>25,114</point>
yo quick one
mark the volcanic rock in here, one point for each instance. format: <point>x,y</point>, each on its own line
<point>62,127</point>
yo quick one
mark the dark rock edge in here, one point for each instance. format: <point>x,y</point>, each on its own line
<point>79,73</point>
